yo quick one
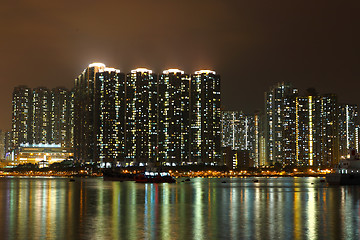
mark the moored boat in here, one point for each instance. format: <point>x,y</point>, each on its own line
<point>347,172</point>
<point>154,177</point>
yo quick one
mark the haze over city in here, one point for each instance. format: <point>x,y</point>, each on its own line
<point>251,45</point>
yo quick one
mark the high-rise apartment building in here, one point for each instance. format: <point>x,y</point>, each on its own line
<point>2,144</point>
<point>241,132</point>
<point>301,130</point>
<point>141,117</point>
<point>205,117</point>
<point>84,101</point>
<point>275,103</point>
<point>348,120</point>
<point>41,116</point>
<point>174,116</point>
<point>21,116</point>
<point>61,120</point>
<point>109,116</point>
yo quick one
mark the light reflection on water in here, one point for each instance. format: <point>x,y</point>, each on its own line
<point>273,208</point>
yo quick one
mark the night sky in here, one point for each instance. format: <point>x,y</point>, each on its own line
<point>251,44</point>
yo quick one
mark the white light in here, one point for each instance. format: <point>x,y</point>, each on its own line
<point>110,70</point>
<point>205,71</point>
<point>173,70</point>
<point>100,65</point>
<point>141,70</point>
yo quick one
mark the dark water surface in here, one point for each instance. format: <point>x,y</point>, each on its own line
<point>273,208</point>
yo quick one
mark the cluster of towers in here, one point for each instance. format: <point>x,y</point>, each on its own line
<point>297,130</point>
<point>309,130</point>
<point>142,117</point>
<point>42,116</point>
<point>174,118</point>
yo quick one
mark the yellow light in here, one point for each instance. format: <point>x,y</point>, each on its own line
<point>205,72</point>
<point>142,70</point>
<point>173,70</point>
<point>100,65</point>
<point>110,70</point>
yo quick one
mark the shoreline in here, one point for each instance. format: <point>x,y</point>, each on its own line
<point>175,175</point>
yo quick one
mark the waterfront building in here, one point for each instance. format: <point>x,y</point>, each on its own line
<point>61,117</point>
<point>42,154</point>
<point>109,116</point>
<point>357,137</point>
<point>348,120</point>
<point>241,132</point>
<point>237,159</point>
<point>41,116</point>
<point>21,116</point>
<point>274,105</point>
<point>205,118</point>
<point>173,114</point>
<point>141,117</point>
<point>2,144</point>
<point>304,130</point>
<point>84,100</point>
<point>328,122</point>
<point>7,144</point>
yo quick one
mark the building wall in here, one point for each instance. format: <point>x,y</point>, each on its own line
<point>21,116</point>
<point>41,116</point>
<point>141,116</point>
<point>84,96</point>
<point>173,122</point>
<point>205,117</point>
<point>110,116</point>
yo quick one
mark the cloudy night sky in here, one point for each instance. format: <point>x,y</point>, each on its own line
<point>251,44</point>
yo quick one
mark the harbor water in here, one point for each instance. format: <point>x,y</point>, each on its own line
<point>203,208</point>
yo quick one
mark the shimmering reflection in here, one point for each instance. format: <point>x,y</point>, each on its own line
<point>273,208</point>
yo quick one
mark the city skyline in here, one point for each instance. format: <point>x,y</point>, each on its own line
<point>251,45</point>
<point>175,117</point>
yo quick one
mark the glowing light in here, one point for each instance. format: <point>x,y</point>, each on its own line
<point>100,65</point>
<point>110,70</point>
<point>205,72</point>
<point>173,70</point>
<point>142,70</point>
<point>311,161</point>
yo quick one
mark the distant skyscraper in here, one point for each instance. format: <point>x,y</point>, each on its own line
<point>348,119</point>
<point>21,116</point>
<point>205,117</point>
<point>41,116</point>
<point>174,122</point>
<point>274,125</point>
<point>109,116</point>
<point>302,130</point>
<point>173,119</point>
<point>84,100</point>
<point>141,116</point>
<point>7,142</point>
<point>241,132</point>
<point>2,144</point>
<point>328,144</point>
<point>61,117</point>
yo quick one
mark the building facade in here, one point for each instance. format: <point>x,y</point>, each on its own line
<point>141,116</point>
<point>274,105</point>
<point>205,117</point>
<point>174,117</point>
<point>84,115</point>
<point>21,116</point>
<point>348,120</point>
<point>242,132</point>
<point>109,116</point>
